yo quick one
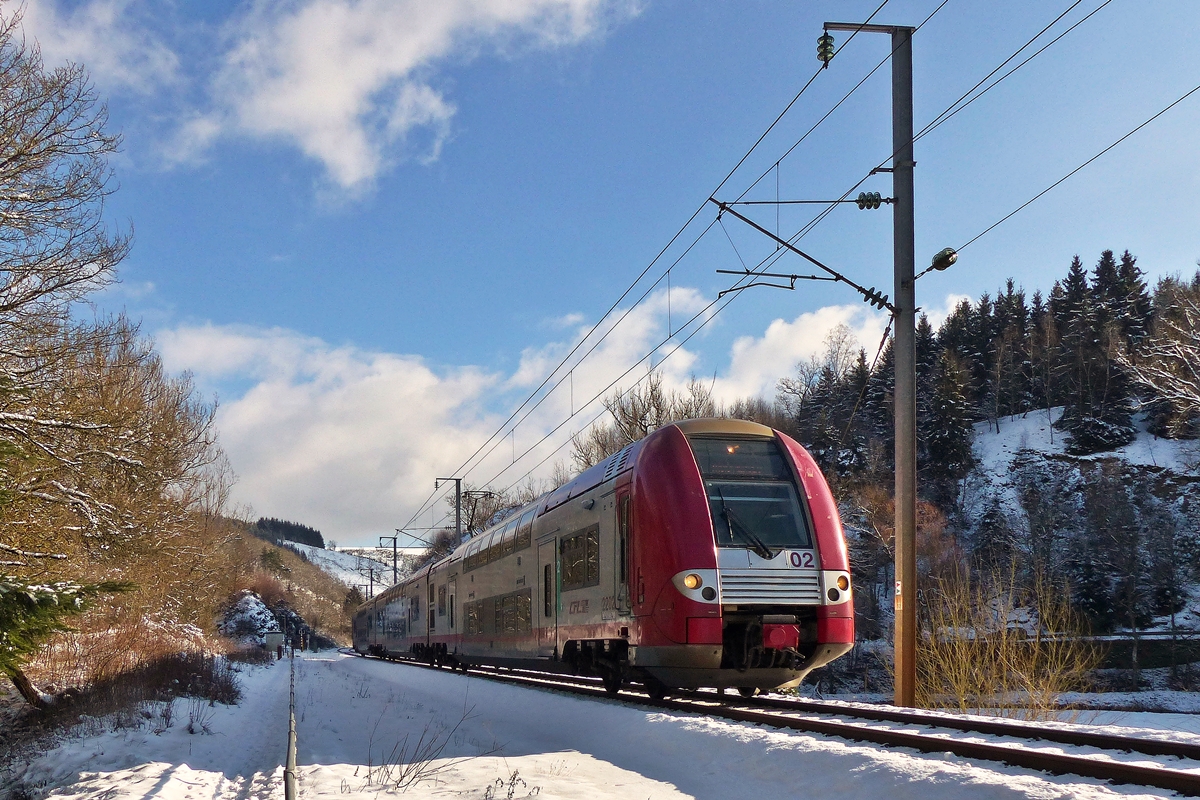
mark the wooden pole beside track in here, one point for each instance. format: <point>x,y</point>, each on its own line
<point>904,352</point>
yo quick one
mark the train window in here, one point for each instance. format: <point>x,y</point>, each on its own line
<point>581,559</point>
<point>524,611</point>
<point>494,544</point>
<point>740,459</point>
<point>759,515</point>
<point>451,612</point>
<point>441,601</point>
<point>469,560</point>
<point>510,539</point>
<point>548,591</point>
<point>474,623</point>
<point>525,529</point>
<point>593,556</point>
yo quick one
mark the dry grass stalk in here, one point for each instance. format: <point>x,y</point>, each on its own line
<point>988,643</point>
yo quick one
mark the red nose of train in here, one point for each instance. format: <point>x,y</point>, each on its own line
<point>781,637</point>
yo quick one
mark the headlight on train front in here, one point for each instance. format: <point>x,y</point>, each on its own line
<point>697,584</point>
<point>836,584</point>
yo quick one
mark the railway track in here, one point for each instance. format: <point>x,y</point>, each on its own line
<point>1176,768</point>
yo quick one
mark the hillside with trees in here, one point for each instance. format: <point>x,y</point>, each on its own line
<point>278,531</point>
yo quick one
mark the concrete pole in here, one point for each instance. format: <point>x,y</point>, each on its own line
<point>457,506</point>
<point>905,352</point>
<point>457,511</point>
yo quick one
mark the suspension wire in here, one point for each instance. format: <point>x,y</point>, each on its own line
<point>731,244</point>
<point>836,106</point>
<point>940,119</point>
<point>648,267</point>
<point>592,349</point>
<point>947,114</point>
<point>1021,207</point>
<point>749,274</point>
<point>616,380</point>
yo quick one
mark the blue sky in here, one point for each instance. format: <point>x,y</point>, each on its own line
<point>371,228</point>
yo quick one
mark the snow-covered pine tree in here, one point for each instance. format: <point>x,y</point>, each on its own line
<point>1096,410</point>
<point>947,432</point>
<point>1069,295</point>
<point>1107,296</point>
<point>1135,308</point>
<point>31,612</point>
<point>879,403</point>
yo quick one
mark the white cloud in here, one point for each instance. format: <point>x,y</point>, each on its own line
<point>937,314</point>
<point>106,37</point>
<point>344,439</point>
<point>349,81</point>
<point>350,440</point>
<point>757,363</point>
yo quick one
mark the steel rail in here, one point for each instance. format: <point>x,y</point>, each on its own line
<point>290,789</point>
<point>996,727</point>
<point>782,711</point>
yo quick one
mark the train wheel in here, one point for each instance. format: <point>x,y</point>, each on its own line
<point>747,691</point>
<point>655,689</point>
<point>612,682</point>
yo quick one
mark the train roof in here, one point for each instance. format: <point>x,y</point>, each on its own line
<point>616,464</point>
<point>725,427</point>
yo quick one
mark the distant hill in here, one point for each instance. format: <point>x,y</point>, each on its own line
<point>352,569</point>
<point>278,531</point>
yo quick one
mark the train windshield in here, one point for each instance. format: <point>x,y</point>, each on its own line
<point>751,495</point>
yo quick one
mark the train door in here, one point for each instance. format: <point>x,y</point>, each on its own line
<point>621,556</point>
<point>547,599</point>
<point>452,591</point>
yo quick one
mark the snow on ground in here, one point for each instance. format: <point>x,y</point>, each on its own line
<point>348,568</point>
<point>995,449</point>
<point>355,715</point>
<point>240,758</point>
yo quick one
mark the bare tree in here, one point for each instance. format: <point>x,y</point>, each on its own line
<point>105,460</point>
<point>836,361</point>
<point>54,178</point>
<point>1168,362</point>
<point>638,411</point>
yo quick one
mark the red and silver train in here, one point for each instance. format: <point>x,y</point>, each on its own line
<point>708,554</point>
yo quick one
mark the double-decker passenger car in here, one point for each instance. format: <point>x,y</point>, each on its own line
<point>710,553</point>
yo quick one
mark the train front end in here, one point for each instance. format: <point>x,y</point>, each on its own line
<point>739,541</point>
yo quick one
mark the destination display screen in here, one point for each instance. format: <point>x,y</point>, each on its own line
<point>740,459</point>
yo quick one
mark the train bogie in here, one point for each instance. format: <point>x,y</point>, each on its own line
<point>708,554</point>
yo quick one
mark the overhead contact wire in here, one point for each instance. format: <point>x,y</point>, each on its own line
<point>648,267</point>
<point>1021,207</point>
